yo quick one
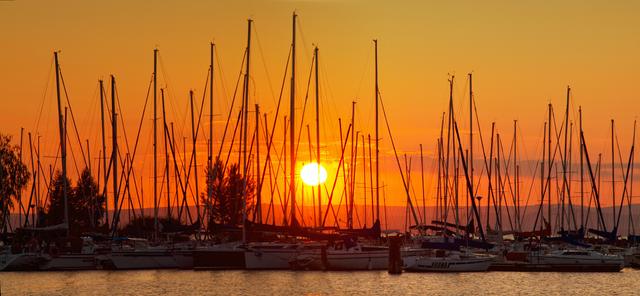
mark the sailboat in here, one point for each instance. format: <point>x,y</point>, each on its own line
<point>448,261</point>
<point>137,253</point>
<point>578,260</point>
<point>344,255</point>
<point>86,259</point>
<point>27,259</point>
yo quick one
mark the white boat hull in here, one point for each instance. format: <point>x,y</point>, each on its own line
<point>268,259</point>
<point>562,260</point>
<point>342,260</point>
<point>365,260</point>
<point>444,264</point>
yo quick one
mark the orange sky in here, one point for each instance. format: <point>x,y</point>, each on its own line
<point>523,55</point>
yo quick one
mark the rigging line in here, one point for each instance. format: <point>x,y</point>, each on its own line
<point>192,160</point>
<point>526,205</point>
<point>274,177</point>
<point>542,191</point>
<point>565,184</point>
<point>413,211</point>
<point>340,163</point>
<point>364,70</point>
<point>233,139</point>
<point>131,159</point>
<point>275,119</point>
<point>304,107</point>
<point>221,74</point>
<point>121,117</point>
<point>413,190</point>
<point>625,176</point>
<point>524,147</point>
<point>304,41</point>
<point>135,148</point>
<point>73,118</point>
<point>594,186</point>
<point>535,172</point>
<point>73,156</point>
<point>179,116</point>
<point>501,182</point>
<point>235,92</point>
<point>484,154</point>
<point>327,91</point>
<point>177,169</point>
<point>591,196</point>
<point>264,63</point>
<point>88,120</point>
<point>44,95</point>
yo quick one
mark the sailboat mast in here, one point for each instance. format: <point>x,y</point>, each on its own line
<point>244,142</point>
<point>581,172</point>
<point>155,143</point>
<point>549,171</point>
<point>631,228</point>
<point>194,138</point>
<point>470,158</point>
<point>292,122</point>
<point>258,208</point>
<point>63,145</point>
<point>104,154</point>
<point>516,184</point>
<point>166,155</point>
<point>565,193</point>
<point>613,173</point>
<point>114,151</point>
<point>371,179</point>
<point>424,201</point>
<point>318,134</point>
<point>352,168</point>
<point>210,156</point>
<point>542,177</point>
<point>377,139</point>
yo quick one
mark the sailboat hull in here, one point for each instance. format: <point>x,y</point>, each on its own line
<point>20,262</point>
<point>71,262</point>
<point>436,264</point>
<point>219,258</point>
<point>268,259</point>
<point>143,260</point>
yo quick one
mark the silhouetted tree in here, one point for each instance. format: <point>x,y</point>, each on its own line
<point>13,178</point>
<point>227,194</point>
<point>55,210</point>
<point>89,204</point>
<point>85,205</point>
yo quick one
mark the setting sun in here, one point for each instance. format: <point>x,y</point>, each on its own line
<point>313,174</point>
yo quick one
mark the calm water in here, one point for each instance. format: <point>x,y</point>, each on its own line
<point>172,282</point>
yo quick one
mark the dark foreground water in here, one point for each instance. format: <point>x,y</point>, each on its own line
<point>173,282</point>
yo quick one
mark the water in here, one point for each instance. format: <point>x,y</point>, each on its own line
<point>186,282</point>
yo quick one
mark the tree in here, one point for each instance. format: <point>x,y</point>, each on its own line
<point>227,194</point>
<point>14,176</point>
<point>84,204</point>
<point>90,204</point>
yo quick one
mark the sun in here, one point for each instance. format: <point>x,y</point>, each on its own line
<point>313,174</point>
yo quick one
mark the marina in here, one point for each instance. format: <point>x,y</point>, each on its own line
<point>285,158</point>
<point>236,236</point>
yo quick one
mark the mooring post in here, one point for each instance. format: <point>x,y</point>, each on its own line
<point>395,259</point>
<point>323,256</point>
